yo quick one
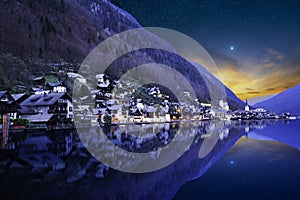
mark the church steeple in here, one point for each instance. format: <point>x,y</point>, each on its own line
<point>247,105</point>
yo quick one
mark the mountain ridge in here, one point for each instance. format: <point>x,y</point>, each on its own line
<point>286,101</point>
<point>66,31</point>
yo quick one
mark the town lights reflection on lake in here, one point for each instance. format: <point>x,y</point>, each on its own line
<point>245,159</point>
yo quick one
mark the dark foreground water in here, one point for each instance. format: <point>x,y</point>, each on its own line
<point>257,167</point>
<point>225,160</point>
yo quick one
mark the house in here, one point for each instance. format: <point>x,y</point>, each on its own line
<point>56,87</point>
<point>19,98</point>
<point>104,84</point>
<point>174,111</point>
<point>39,81</point>
<point>154,91</point>
<point>41,120</point>
<point>101,78</point>
<point>115,111</point>
<point>84,114</point>
<point>8,105</point>
<point>186,94</point>
<point>224,105</point>
<point>104,87</point>
<point>151,112</point>
<point>76,76</point>
<point>51,110</point>
<point>39,90</point>
<point>218,113</point>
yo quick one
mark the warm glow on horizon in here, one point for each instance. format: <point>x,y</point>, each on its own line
<point>264,71</point>
<point>247,84</point>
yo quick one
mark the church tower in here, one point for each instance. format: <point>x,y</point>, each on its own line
<point>247,108</point>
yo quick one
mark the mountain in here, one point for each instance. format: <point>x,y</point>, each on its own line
<point>286,101</point>
<point>259,99</point>
<point>35,33</point>
<point>55,30</point>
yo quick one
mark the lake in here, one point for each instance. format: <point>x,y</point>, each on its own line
<point>207,160</point>
<point>263,166</point>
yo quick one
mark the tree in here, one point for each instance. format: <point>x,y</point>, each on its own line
<point>107,119</point>
<point>62,6</point>
<point>41,52</point>
<point>20,122</point>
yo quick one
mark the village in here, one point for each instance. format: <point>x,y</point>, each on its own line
<point>47,116</point>
<point>49,106</point>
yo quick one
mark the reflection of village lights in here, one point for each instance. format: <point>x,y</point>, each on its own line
<point>135,162</point>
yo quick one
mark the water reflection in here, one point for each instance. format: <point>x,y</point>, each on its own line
<point>59,164</point>
<point>286,132</point>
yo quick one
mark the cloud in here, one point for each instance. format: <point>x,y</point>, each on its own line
<point>289,85</point>
<point>268,65</point>
<point>275,54</point>
<point>253,92</point>
<point>268,72</point>
<point>270,89</point>
<point>268,59</point>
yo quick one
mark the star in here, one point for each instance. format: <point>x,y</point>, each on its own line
<point>231,48</point>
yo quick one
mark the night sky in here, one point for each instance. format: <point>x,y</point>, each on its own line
<point>256,44</point>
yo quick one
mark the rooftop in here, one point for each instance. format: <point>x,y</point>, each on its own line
<point>38,78</point>
<point>38,118</point>
<point>55,84</point>
<point>18,96</point>
<point>44,99</point>
<point>2,93</point>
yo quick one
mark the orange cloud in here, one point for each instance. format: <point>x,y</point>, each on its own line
<point>268,73</point>
<point>272,82</point>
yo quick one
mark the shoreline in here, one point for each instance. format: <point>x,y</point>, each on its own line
<point>13,130</point>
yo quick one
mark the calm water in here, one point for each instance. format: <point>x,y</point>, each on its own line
<point>266,165</point>
<point>226,160</point>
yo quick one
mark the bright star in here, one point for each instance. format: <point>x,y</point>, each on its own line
<point>231,48</point>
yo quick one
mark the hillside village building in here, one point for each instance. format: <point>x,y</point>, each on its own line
<point>56,87</point>
<point>53,109</point>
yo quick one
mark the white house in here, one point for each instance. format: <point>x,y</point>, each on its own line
<point>56,107</point>
<point>57,87</point>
